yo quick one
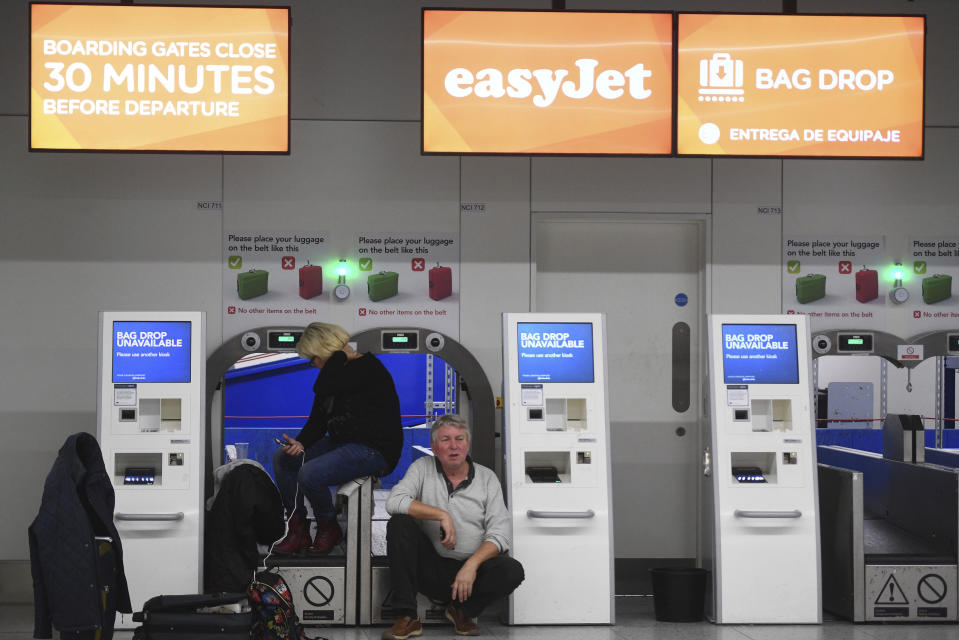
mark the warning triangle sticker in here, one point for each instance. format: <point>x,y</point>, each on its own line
<point>892,593</point>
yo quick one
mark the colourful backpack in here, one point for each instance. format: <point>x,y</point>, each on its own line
<point>274,617</point>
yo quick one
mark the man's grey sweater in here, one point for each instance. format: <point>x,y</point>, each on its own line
<point>476,506</point>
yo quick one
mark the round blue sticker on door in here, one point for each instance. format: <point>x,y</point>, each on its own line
<point>681,299</point>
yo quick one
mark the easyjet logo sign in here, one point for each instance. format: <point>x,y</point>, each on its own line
<point>530,82</point>
<point>544,85</point>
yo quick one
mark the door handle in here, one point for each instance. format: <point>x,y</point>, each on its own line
<point>573,515</point>
<point>150,517</point>
<point>794,513</point>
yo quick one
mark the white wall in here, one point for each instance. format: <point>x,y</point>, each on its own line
<point>85,232</point>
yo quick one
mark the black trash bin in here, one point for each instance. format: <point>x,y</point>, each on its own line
<point>679,593</point>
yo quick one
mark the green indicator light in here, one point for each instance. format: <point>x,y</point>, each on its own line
<point>855,341</point>
<point>284,338</point>
<point>897,273</point>
<point>400,339</point>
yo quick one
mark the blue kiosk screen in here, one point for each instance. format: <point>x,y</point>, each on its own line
<point>155,351</point>
<point>555,351</point>
<point>760,354</point>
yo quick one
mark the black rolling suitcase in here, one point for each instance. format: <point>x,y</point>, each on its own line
<point>179,617</point>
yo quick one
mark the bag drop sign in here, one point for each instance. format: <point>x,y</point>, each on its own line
<point>800,85</point>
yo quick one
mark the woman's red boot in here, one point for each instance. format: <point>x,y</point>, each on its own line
<point>297,536</point>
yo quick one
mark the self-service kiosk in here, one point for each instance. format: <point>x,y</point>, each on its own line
<point>558,467</point>
<point>761,520</point>
<point>151,430</point>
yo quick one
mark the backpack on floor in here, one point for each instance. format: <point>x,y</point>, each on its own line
<point>274,617</point>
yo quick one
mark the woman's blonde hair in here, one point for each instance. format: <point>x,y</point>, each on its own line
<point>321,340</point>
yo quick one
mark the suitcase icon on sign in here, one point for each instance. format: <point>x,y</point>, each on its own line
<point>441,282</point>
<point>311,280</point>
<point>720,76</point>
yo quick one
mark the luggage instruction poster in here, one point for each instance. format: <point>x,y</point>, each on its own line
<point>292,277</point>
<point>836,281</point>
<point>261,278</point>
<point>408,279</point>
<point>858,282</point>
<point>928,276</point>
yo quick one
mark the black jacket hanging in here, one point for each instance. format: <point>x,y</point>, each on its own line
<point>247,510</point>
<point>75,552</point>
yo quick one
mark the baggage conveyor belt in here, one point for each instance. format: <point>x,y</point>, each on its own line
<point>889,534</point>
<point>886,543</point>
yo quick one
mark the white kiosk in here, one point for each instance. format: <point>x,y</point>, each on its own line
<point>558,467</point>
<point>151,431</point>
<point>760,497</point>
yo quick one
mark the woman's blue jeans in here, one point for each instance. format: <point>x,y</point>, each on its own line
<point>326,464</point>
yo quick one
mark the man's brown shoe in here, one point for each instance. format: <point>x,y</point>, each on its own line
<point>405,627</point>
<point>461,622</point>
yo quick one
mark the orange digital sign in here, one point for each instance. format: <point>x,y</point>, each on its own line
<point>800,85</point>
<point>547,82</point>
<point>159,78</point>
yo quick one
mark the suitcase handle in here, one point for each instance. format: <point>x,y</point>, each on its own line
<point>150,517</point>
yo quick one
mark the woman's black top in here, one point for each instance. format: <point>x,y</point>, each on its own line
<point>356,401</point>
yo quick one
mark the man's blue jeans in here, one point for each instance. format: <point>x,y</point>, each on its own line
<point>326,464</point>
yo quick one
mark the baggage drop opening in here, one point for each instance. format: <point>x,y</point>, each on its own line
<point>853,395</point>
<point>349,572</point>
<point>476,402</point>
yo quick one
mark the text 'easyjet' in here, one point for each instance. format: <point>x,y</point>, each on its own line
<point>519,83</point>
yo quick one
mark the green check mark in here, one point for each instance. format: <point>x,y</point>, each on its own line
<point>919,266</point>
<point>235,262</point>
<point>366,264</point>
<point>792,266</point>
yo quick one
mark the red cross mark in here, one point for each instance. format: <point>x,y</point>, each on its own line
<point>362,311</point>
<point>917,314</point>
<point>288,263</point>
<point>845,266</point>
<point>419,264</point>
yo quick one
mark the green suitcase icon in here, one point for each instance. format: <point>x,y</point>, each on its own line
<point>810,287</point>
<point>936,288</point>
<point>382,285</point>
<point>252,283</point>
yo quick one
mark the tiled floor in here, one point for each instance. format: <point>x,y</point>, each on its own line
<point>634,621</point>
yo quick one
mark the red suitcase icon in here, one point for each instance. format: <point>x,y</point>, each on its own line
<point>441,282</point>
<point>311,280</point>
<point>867,285</point>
